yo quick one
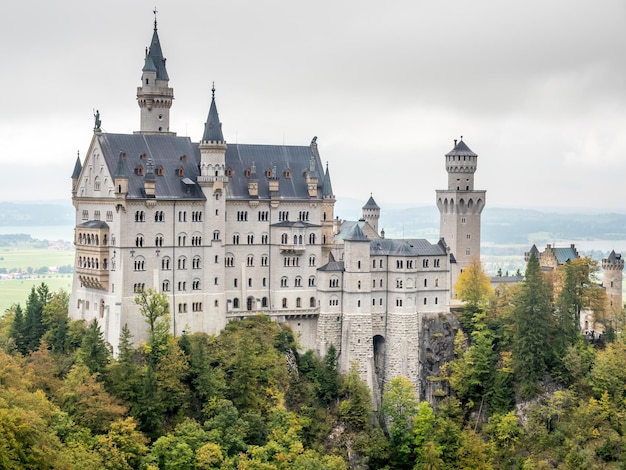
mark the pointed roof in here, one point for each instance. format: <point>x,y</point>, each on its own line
<point>77,168</point>
<point>213,127</point>
<point>356,234</point>
<point>460,148</point>
<point>371,204</point>
<point>155,62</point>
<point>121,171</point>
<point>327,187</point>
<point>614,256</point>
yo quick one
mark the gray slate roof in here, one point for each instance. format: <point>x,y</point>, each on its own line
<point>408,247</point>
<point>461,149</point>
<point>327,187</point>
<point>213,126</point>
<point>371,204</point>
<point>166,152</point>
<point>296,159</point>
<point>563,255</point>
<point>78,167</point>
<point>169,153</point>
<point>332,265</point>
<point>155,60</point>
<point>94,224</point>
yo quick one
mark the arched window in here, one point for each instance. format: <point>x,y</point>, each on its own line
<point>284,302</point>
<point>298,302</point>
<point>236,302</point>
<point>312,302</point>
<point>165,287</point>
<point>165,263</point>
<point>182,263</point>
<point>283,239</point>
<point>195,263</point>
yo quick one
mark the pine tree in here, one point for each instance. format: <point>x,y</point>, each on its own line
<point>17,331</point>
<point>33,320</point>
<point>93,350</point>
<point>533,329</point>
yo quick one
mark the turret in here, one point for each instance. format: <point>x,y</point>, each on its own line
<point>149,181</point>
<point>460,207</point>
<point>613,267</point>
<point>371,213</point>
<point>213,150</point>
<point>121,181</point>
<point>76,174</point>
<point>328,214</point>
<point>154,96</point>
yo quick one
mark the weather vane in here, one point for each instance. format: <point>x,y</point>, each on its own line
<point>155,17</point>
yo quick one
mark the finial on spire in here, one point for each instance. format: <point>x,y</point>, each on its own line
<point>155,18</point>
<point>213,91</point>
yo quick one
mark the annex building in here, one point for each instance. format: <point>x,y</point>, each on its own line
<point>230,230</point>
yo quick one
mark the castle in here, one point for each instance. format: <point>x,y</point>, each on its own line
<point>231,230</point>
<point>612,266</point>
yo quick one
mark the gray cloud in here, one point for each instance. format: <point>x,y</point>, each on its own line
<point>537,88</point>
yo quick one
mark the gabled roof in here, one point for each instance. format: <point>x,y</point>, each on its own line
<point>155,60</point>
<point>212,126</point>
<point>408,247</point>
<point>461,149</point>
<point>371,204</point>
<point>77,169</point>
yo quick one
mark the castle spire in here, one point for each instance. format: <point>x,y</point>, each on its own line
<point>327,187</point>
<point>154,96</point>
<point>213,126</point>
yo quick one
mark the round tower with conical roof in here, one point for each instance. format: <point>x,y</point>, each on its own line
<point>371,213</point>
<point>613,267</point>
<point>460,207</point>
<point>154,96</point>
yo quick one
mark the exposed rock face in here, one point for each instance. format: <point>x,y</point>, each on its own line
<point>436,348</point>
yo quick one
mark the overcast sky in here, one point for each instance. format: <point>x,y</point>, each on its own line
<point>536,88</point>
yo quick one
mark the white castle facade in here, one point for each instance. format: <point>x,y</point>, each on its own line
<point>232,230</point>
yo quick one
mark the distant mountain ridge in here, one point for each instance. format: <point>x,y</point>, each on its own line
<point>500,226</point>
<point>25,214</point>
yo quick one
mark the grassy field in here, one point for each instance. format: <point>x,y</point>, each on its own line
<point>23,257</point>
<point>16,291</point>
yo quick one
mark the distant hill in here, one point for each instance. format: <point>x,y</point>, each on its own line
<point>24,214</point>
<point>501,226</point>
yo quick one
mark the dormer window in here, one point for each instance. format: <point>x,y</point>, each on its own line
<point>229,172</point>
<point>143,156</point>
<point>181,171</point>
<point>183,158</point>
<point>268,173</point>
<point>287,173</point>
<point>248,172</point>
<point>140,170</point>
<point>160,170</point>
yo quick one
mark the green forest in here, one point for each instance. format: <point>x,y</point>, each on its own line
<point>527,390</point>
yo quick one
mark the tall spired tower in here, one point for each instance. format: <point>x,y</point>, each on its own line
<point>154,96</point>
<point>460,207</point>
